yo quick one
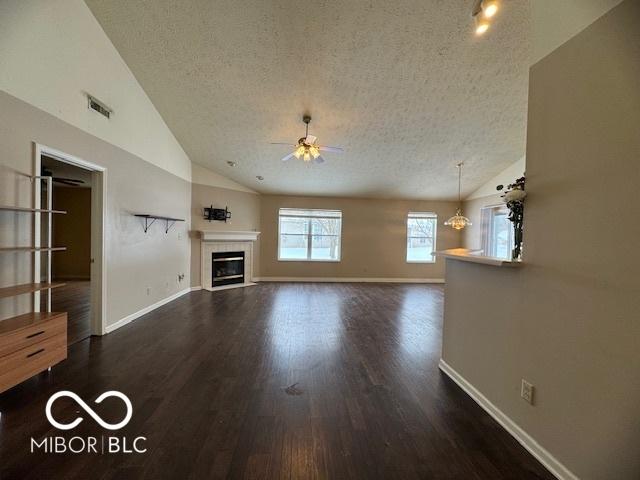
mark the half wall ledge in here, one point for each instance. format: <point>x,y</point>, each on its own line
<point>474,256</point>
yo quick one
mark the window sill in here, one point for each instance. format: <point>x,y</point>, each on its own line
<point>307,260</point>
<point>421,261</point>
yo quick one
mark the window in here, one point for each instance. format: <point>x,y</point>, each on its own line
<point>421,236</point>
<point>497,232</point>
<point>309,235</point>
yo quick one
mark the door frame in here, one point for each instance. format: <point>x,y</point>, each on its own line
<point>98,217</point>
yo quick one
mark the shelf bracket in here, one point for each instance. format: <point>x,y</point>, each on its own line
<point>148,223</point>
<point>149,219</point>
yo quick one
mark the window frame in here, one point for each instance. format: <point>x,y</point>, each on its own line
<point>434,217</point>
<point>309,235</point>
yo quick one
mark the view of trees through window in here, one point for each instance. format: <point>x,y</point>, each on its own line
<point>421,236</point>
<point>309,234</point>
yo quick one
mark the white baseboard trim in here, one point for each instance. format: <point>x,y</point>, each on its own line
<point>195,289</point>
<point>228,287</point>
<point>349,280</point>
<point>527,441</point>
<point>129,318</point>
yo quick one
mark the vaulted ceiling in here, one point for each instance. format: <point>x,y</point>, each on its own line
<point>404,86</point>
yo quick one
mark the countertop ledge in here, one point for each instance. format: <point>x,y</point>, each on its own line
<point>474,256</point>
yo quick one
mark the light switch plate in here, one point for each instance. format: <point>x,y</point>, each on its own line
<point>526,391</point>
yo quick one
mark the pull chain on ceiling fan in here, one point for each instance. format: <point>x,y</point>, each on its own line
<point>307,147</point>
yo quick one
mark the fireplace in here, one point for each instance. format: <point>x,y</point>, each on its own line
<point>227,268</point>
<point>230,244</point>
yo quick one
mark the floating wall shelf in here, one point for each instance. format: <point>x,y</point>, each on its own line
<point>32,249</point>
<point>26,209</point>
<point>169,221</point>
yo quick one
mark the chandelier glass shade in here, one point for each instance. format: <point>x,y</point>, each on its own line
<point>458,221</point>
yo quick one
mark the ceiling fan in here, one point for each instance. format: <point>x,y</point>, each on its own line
<point>307,147</point>
<point>73,182</point>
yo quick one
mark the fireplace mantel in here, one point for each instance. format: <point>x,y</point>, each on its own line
<point>228,236</point>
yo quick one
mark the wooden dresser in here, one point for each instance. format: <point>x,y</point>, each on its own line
<point>30,344</point>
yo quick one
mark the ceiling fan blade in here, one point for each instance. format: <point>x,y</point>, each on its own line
<point>331,149</point>
<point>76,180</point>
<point>287,144</point>
<point>70,182</point>
<point>311,139</point>
<point>288,157</point>
<point>318,159</point>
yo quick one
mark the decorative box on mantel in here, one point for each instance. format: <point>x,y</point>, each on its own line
<point>212,245</point>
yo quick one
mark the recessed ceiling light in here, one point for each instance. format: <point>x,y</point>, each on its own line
<point>260,177</point>
<point>231,164</point>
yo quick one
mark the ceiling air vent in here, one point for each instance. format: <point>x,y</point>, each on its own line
<point>98,106</point>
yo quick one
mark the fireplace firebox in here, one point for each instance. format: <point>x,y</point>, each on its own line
<point>227,268</point>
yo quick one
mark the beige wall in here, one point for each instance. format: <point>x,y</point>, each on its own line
<point>73,231</point>
<point>373,238</point>
<point>568,319</point>
<point>204,176</point>
<point>134,260</point>
<point>53,52</point>
<point>554,22</point>
<point>245,215</point>
<point>505,177</point>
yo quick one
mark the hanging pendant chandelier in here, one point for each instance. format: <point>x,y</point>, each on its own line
<point>458,221</point>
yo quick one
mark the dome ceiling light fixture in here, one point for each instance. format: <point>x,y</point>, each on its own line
<point>458,221</point>
<point>483,12</point>
<point>307,147</point>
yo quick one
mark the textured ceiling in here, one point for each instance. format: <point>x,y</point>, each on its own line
<point>403,86</point>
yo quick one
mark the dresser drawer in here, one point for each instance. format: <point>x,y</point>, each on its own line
<point>25,337</point>
<point>22,364</point>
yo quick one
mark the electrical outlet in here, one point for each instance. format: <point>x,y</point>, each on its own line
<point>526,391</point>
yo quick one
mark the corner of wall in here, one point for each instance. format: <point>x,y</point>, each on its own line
<point>205,176</point>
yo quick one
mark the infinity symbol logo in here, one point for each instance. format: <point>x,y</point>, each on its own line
<point>89,410</point>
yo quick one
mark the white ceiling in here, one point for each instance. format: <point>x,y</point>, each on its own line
<point>404,86</point>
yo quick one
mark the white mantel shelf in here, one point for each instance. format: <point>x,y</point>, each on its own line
<point>228,236</point>
<point>472,256</point>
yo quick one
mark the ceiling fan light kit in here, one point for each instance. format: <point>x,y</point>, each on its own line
<point>307,147</point>
<point>483,11</point>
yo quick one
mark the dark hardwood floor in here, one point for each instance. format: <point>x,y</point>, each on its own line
<point>75,299</point>
<point>336,381</point>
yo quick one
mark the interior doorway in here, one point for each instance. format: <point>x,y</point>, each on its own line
<point>77,187</point>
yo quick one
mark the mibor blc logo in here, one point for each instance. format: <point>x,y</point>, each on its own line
<point>103,444</point>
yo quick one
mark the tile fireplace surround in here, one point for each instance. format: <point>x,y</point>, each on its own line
<point>211,242</point>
